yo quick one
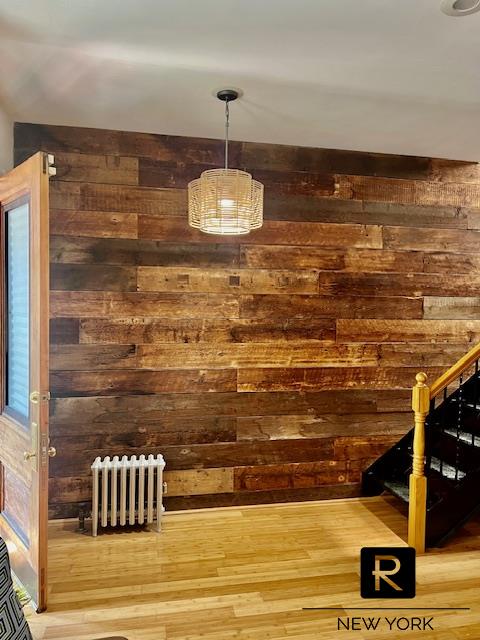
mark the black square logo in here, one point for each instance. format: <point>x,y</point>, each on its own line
<point>387,572</point>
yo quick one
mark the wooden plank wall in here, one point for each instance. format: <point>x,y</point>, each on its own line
<point>271,367</point>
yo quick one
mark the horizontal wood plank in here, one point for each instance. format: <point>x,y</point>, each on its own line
<point>322,378</point>
<point>97,224</point>
<point>227,280</point>
<point>322,426</point>
<point>121,382</point>
<point>433,331</point>
<point>143,409</point>
<point>170,229</point>
<point>278,257</point>
<point>92,277</point>
<point>91,304</point>
<point>141,330</point>
<point>124,252</point>
<point>276,306</point>
<point>405,284</point>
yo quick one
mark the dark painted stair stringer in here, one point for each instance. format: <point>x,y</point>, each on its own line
<point>452,465</point>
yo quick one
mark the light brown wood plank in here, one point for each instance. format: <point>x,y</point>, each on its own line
<point>405,284</point>
<point>447,240</point>
<point>227,280</point>
<point>441,308</point>
<point>272,257</point>
<point>164,305</point>
<point>141,330</point>
<point>322,378</point>
<point>432,331</point>
<point>288,354</point>
<point>324,426</point>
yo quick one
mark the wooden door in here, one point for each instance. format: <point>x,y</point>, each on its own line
<point>24,443</point>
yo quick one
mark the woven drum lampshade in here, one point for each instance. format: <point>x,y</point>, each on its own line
<point>225,202</point>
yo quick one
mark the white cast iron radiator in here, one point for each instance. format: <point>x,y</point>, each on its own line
<point>127,490</point>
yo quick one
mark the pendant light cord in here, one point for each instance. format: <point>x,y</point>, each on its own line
<point>227,124</point>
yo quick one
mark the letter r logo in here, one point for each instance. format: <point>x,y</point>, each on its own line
<point>383,574</point>
<point>387,572</point>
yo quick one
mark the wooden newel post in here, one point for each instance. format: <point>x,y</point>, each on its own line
<point>417,507</point>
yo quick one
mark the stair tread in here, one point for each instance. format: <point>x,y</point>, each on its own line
<point>464,436</point>
<point>446,470</point>
<point>399,489</point>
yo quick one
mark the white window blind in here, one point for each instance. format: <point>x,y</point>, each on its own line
<point>17,303</point>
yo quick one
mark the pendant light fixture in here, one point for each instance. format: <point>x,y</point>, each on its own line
<point>225,201</point>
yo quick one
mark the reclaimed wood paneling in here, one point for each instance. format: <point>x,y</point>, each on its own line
<point>273,306</point>
<point>378,331</point>
<point>272,257</point>
<point>119,251</point>
<point>171,229</point>
<point>403,284</point>
<point>90,304</point>
<point>227,280</point>
<point>322,378</point>
<point>141,330</point>
<point>93,223</point>
<point>269,367</point>
<point>441,308</point>
<point>91,196</point>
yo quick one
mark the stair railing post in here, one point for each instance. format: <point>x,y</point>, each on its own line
<point>417,508</point>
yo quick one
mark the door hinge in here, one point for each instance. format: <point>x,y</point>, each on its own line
<point>48,165</point>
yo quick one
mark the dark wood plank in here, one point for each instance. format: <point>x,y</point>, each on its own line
<point>276,306</point>
<point>170,229</point>
<point>90,196</point>
<point>97,224</point>
<point>82,167</point>
<point>203,456</point>
<point>409,191</point>
<point>141,330</point>
<point>291,158</point>
<point>384,284</point>
<point>119,251</point>
<point>92,277</point>
<point>64,331</point>
<point>120,382</point>
<point>166,430</point>
<point>143,409</point>
<point>308,208</point>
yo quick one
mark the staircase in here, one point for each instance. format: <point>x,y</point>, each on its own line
<point>434,470</point>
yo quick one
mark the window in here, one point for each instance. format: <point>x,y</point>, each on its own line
<point>17,329</point>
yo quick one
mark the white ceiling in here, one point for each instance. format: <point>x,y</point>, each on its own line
<point>375,75</point>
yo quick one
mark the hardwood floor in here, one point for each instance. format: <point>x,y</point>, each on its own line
<point>246,573</point>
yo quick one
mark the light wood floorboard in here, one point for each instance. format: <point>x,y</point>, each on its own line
<point>246,573</point>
